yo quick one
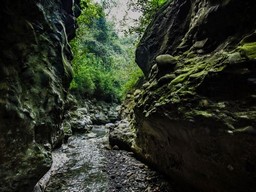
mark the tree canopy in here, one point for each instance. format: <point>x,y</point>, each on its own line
<point>148,9</point>
<point>103,63</point>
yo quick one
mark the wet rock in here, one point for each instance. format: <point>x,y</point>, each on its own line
<point>166,79</point>
<point>79,121</point>
<point>67,130</point>
<point>125,176</point>
<point>166,61</point>
<point>119,186</point>
<point>110,126</point>
<point>84,165</point>
<point>81,126</point>
<point>100,119</point>
<point>102,113</point>
<point>83,110</point>
<point>198,124</point>
<point>122,135</point>
<point>79,167</point>
<point>35,73</point>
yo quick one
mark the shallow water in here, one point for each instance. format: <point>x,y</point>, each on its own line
<point>85,164</point>
<point>79,165</point>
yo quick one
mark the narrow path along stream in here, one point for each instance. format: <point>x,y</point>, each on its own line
<point>86,164</point>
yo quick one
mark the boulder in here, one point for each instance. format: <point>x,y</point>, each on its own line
<point>122,135</point>
<point>102,113</point>
<point>100,118</point>
<point>166,61</point>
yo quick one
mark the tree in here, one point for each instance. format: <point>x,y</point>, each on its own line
<point>103,62</point>
<point>148,9</point>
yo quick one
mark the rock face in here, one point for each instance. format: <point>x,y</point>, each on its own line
<point>197,121</point>
<point>34,76</point>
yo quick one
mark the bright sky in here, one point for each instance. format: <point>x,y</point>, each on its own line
<point>118,12</point>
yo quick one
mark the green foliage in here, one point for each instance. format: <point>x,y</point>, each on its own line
<point>89,11</point>
<point>148,8</point>
<point>103,62</point>
<point>135,76</point>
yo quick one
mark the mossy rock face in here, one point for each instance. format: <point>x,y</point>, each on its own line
<point>197,122</point>
<point>165,79</point>
<point>35,72</point>
<point>249,50</point>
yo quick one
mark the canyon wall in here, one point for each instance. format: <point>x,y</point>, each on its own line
<point>195,116</point>
<point>35,73</point>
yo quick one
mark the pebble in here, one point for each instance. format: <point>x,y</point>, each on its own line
<point>128,174</point>
<point>87,163</point>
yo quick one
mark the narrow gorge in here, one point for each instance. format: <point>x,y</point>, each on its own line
<point>188,125</point>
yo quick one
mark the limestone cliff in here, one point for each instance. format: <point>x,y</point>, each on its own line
<point>195,117</point>
<point>35,72</point>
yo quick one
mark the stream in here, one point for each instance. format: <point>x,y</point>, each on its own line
<point>86,163</point>
<point>79,164</point>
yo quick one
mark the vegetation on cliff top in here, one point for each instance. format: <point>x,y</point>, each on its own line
<point>148,9</point>
<point>103,61</point>
<point>104,65</point>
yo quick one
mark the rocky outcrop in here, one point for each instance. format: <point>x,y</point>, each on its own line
<point>121,134</point>
<point>35,72</point>
<point>195,117</point>
<point>92,112</point>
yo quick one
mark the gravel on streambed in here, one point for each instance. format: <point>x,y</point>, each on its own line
<point>86,163</point>
<point>127,174</point>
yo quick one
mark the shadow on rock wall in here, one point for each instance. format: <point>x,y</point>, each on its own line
<point>195,115</point>
<point>35,72</point>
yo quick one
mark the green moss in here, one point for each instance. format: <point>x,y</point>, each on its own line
<point>249,49</point>
<point>199,74</point>
<point>189,54</point>
<point>234,57</point>
<point>175,99</point>
<point>205,114</point>
<point>179,79</point>
<point>190,73</point>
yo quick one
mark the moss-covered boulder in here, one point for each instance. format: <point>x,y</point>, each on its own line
<point>35,72</point>
<point>197,122</point>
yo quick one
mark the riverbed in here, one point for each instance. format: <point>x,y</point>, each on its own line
<point>86,163</point>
